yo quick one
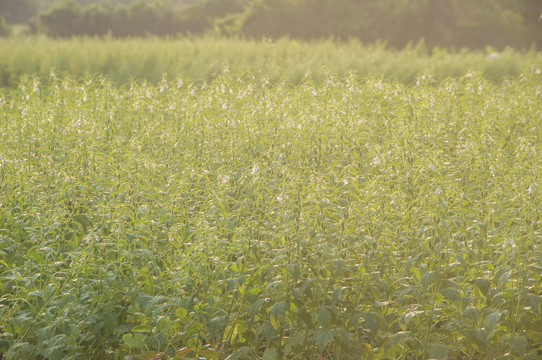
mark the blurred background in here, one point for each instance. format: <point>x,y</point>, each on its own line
<point>446,23</point>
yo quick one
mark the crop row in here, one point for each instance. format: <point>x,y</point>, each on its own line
<point>277,61</point>
<point>346,218</point>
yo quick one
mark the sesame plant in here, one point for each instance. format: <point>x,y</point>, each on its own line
<point>349,218</point>
<point>284,60</point>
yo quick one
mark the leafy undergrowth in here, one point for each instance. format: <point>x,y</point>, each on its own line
<point>348,219</point>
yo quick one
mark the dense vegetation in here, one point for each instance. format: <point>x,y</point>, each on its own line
<point>21,11</point>
<point>452,23</point>
<point>283,60</point>
<point>344,218</point>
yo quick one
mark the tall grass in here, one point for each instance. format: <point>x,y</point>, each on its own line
<point>206,58</point>
<point>346,218</point>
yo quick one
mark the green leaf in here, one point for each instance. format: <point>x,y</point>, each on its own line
<point>277,312</point>
<point>239,267</point>
<point>438,351</point>
<point>519,345</point>
<point>208,354</point>
<point>306,284</point>
<point>4,345</point>
<point>336,294</point>
<point>22,350</point>
<point>270,354</point>
<point>410,315</point>
<point>324,317</point>
<point>109,323</point>
<point>165,326</point>
<point>305,317</point>
<point>491,321</point>
<point>194,328</point>
<point>471,314</point>
<point>416,273</point>
<point>134,341</point>
<point>382,304</point>
<point>483,285</point>
<point>502,275</point>
<point>267,330</point>
<point>534,302</point>
<point>242,353</point>
<point>398,338</point>
<point>184,351</point>
<point>323,338</point>
<point>367,351</point>
<point>148,355</point>
<point>181,313</point>
<point>372,321</point>
<point>142,329</point>
<point>295,340</point>
<point>256,306</point>
<point>451,293</point>
<point>36,293</point>
<point>50,290</point>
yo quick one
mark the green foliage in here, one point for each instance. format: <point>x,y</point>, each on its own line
<point>96,20</point>
<point>275,61</point>
<point>61,20</point>
<point>459,23</point>
<point>454,23</point>
<point>137,19</point>
<point>234,217</point>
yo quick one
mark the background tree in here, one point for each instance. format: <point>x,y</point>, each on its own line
<point>452,23</point>
<point>96,19</point>
<point>145,18</point>
<point>18,11</point>
<point>488,22</point>
<point>61,20</point>
<point>5,30</point>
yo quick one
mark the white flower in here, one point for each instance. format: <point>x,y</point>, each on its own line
<point>255,170</point>
<point>493,56</point>
<point>223,178</point>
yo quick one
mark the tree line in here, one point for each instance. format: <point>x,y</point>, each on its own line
<point>451,23</point>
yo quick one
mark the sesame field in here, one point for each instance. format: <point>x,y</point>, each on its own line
<point>344,217</point>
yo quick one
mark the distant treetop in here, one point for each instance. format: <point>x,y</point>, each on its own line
<point>452,23</point>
